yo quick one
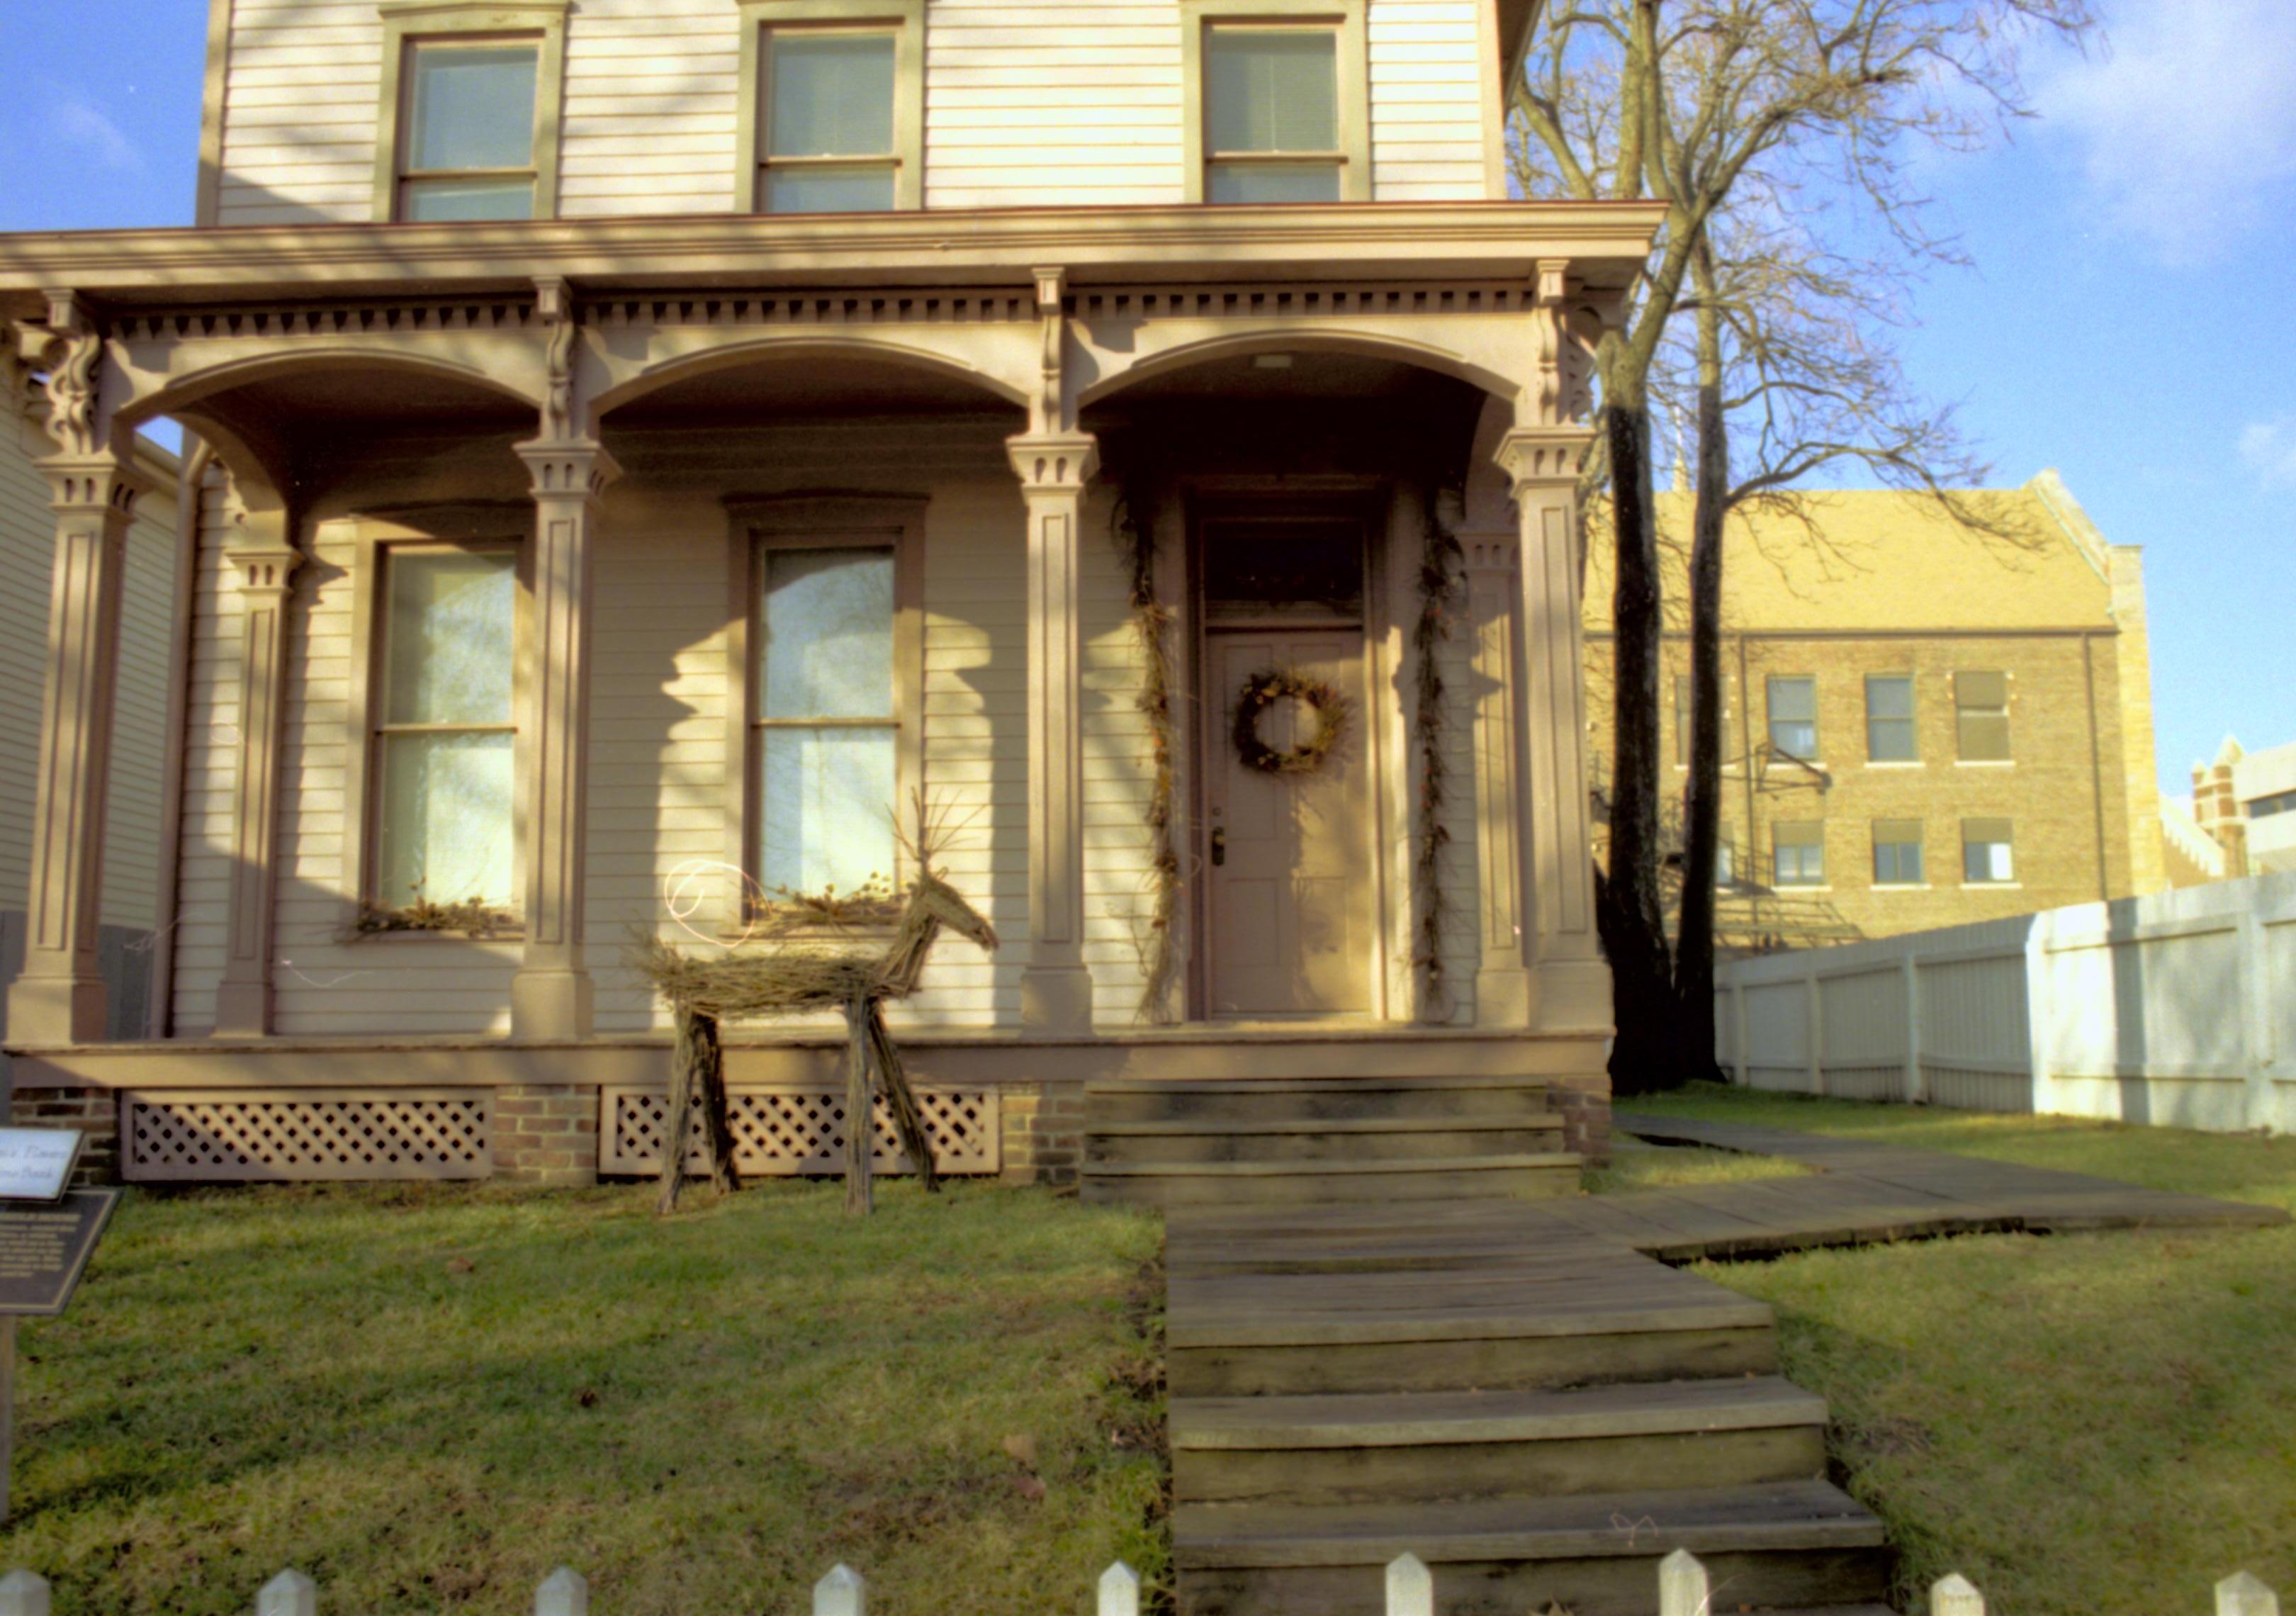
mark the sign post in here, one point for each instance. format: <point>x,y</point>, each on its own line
<point>47,1235</point>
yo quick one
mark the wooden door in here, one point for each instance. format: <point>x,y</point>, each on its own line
<point>1291,903</point>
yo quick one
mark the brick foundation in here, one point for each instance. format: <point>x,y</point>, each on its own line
<point>94,1111</point>
<point>1043,1132</point>
<point>545,1134</point>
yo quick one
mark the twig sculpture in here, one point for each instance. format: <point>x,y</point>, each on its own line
<point>794,976</point>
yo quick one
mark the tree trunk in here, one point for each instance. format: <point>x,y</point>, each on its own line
<point>1628,911</point>
<point>902,1101</point>
<point>1701,803</point>
<point>859,1130</point>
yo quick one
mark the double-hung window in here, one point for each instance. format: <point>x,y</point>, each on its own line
<point>1889,719</point>
<point>1271,99</point>
<point>468,125</point>
<point>1980,704</point>
<point>444,736</point>
<point>1797,854</point>
<point>1793,715</point>
<point>832,106</point>
<point>1896,852</point>
<point>1986,858</point>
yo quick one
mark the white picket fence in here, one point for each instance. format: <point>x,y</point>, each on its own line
<point>1681,1591</point>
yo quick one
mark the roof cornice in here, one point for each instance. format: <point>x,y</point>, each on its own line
<point>1605,244</point>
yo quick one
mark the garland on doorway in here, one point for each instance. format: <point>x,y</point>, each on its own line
<point>1133,526</point>
<point>1440,559</point>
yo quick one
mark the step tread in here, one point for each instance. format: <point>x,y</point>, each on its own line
<point>1425,1418</point>
<point>1199,1127</point>
<point>1289,1169</point>
<point>1781,1516</point>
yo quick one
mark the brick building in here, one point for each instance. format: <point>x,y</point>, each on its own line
<point>2240,818</point>
<point>1947,726</point>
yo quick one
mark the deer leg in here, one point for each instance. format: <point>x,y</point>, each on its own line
<point>858,1127</point>
<point>679,1120</point>
<point>901,1100</point>
<point>717,1124</point>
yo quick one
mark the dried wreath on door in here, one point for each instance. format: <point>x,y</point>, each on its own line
<point>1262,691</point>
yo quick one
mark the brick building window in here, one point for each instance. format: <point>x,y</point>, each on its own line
<point>1896,852</point>
<point>1797,854</point>
<point>1793,715</point>
<point>1980,706</point>
<point>1986,856</point>
<point>1889,719</point>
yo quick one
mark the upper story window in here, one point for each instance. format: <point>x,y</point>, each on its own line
<point>1987,856</point>
<point>469,123</point>
<point>2265,808</point>
<point>1272,115</point>
<point>1797,854</point>
<point>1980,703</point>
<point>1793,715</point>
<point>1889,719</point>
<point>832,106</point>
<point>445,737</point>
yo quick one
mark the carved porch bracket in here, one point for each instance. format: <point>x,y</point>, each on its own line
<point>1049,413</point>
<point>554,308</point>
<point>551,995</point>
<point>1571,983</point>
<point>69,348</point>
<point>262,558</point>
<point>1054,470</point>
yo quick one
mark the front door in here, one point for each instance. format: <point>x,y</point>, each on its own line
<point>1291,903</point>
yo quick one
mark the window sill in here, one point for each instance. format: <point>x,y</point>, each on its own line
<point>1992,885</point>
<point>1897,763</point>
<point>1795,886</point>
<point>1985,763</point>
<point>1902,886</point>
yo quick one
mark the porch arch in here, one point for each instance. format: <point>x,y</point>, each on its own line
<point>1396,350</point>
<point>670,373</point>
<point>230,375</point>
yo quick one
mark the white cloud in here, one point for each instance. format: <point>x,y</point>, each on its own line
<point>2185,121</point>
<point>2270,449</point>
<point>85,130</point>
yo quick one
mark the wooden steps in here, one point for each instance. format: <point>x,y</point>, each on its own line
<point>1260,1142</point>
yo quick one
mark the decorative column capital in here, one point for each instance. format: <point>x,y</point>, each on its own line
<point>1054,463</point>
<point>1492,552</point>
<point>100,484</point>
<point>264,569</point>
<point>1544,457</point>
<point>570,468</point>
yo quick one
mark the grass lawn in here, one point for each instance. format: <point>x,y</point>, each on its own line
<point>1636,1166</point>
<point>427,1398</point>
<point>2094,1424</point>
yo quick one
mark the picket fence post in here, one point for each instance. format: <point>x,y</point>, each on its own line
<point>1682,1590</point>
<point>23,1594</point>
<point>2242,1595</point>
<point>1120,1591</point>
<point>565,1592</point>
<point>288,1594</point>
<point>1410,1586</point>
<point>840,1594</point>
<point>1953,1595</point>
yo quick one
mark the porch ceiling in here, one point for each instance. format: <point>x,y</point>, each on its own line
<point>1605,243</point>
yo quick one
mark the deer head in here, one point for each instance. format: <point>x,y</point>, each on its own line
<point>935,899</point>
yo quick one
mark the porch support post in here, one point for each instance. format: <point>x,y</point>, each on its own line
<point>550,996</point>
<point>1055,986</point>
<point>263,557</point>
<point>1571,983</point>
<point>1503,987</point>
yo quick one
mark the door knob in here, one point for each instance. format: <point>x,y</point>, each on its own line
<point>1219,844</point>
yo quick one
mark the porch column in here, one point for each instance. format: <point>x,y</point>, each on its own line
<point>1571,982</point>
<point>1055,986</point>
<point>1503,990</point>
<point>263,558</point>
<point>60,997</point>
<point>550,997</point>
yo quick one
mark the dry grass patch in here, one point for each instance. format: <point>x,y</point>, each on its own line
<point>2100,1424</point>
<point>1635,1165</point>
<point>427,1398</point>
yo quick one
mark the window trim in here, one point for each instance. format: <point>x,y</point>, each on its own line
<point>1344,17</point>
<point>1777,880</point>
<point>1770,682</point>
<point>1912,720</point>
<point>1962,711</point>
<point>475,527</point>
<point>1919,844</point>
<point>755,523</point>
<point>907,21</point>
<point>407,23</point>
<point>2009,841</point>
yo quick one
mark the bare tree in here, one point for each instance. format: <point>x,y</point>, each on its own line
<point>1775,130</point>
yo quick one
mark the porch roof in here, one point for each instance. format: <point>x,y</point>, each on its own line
<point>1605,244</point>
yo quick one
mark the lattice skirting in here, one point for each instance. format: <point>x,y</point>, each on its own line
<point>786,1133</point>
<point>234,1137</point>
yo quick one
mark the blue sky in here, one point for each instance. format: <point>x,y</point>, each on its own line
<point>2131,319</point>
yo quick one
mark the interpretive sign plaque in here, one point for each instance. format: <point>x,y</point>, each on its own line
<point>44,1249</point>
<point>35,1163</point>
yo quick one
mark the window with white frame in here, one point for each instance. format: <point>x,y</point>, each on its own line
<point>1797,854</point>
<point>826,716</point>
<point>826,136</point>
<point>445,734</point>
<point>1271,112</point>
<point>1987,858</point>
<point>467,129</point>
<point>1890,736</point>
<point>1792,701</point>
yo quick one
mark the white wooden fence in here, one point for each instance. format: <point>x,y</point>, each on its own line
<point>2177,1009</point>
<point>1681,1591</point>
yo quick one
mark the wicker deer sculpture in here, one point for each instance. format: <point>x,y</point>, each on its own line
<point>793,977</point>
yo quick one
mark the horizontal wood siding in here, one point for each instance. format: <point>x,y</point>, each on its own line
<point>210,775</point>
<point>28,554</point>
<point>1026,102</point>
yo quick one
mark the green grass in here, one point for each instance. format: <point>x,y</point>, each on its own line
<point>1645,1167</point>
<point>428,1397</point>
<point>2099,1424</point>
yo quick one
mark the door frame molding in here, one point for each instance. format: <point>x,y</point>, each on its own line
<point>1371,502</point>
